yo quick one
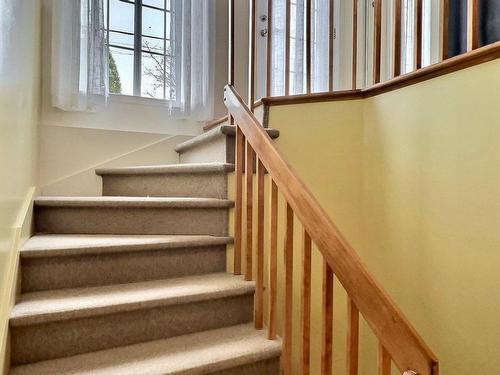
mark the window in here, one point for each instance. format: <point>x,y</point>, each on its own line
<point>139,39</point>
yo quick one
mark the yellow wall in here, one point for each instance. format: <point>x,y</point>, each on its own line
<point>19,104</point>
<point>412,178</point>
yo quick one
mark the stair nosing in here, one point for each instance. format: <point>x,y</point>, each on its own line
<point>182,242</point>
<point>261,349</point>
<point>172,169</point>
<point>132,202</point>
<point>19,319</point>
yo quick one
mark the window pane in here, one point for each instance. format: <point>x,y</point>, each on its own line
<point>121,71</point>
<point>153,75</point>
<point>152,45</point>
<point>121,16</point>
<point>153,22</point>
<point>121,40</point>
<point>155,3</point>
<point>168,18</point>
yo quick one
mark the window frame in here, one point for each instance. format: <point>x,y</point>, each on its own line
<point>138,48</point>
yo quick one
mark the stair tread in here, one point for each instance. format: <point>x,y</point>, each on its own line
<point>55,305</point>
<point>43,245</point>
<point>221,130</point>
<point>198,353</point>
<point>168,169</point>
<point>138,202</point>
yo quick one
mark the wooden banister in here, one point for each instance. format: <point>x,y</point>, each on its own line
<point>395,333</point>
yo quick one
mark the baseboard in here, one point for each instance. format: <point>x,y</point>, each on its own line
<point>20,232</point>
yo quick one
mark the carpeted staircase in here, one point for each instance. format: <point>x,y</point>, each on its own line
<point>134,282</point>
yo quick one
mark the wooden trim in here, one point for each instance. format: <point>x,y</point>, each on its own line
<point>384,361</point>
<point>377,39</point>
<point>354,67</point>
<point>287,323</point>
<point>214,123</point>
<point>444,15</point>
<point>472,24</point>
<point>478,56</point>
<point>249,202</point>
<point>388,323</point>
<point>287,46</point>
<point>331,44</point>
<point>418,26</point>
<point>308,46</point>
<point>252,53</point>
<point>259,281</point>
<point>396,39</point>
<point>327,319</point>
<point>269,51</point>
<point>352,338</point>
<point>273,261</point>
<point>313,98</point>
<point>239,151</point>
<point>305,326</point>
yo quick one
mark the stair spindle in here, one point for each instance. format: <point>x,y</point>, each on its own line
<point>377,40</point>
<point>444,11</point>
<point>327,319</point>
<point>352,337</point>
<point>418,26</point>
<point>273,261</point>
<point>396,39</point>
<point>287,329</point>
<point>239,146</point>
<point>306,304</point>
<point>249,218</point>
<point>384,360</point>
<point>259,285</point>
<point>472,25</point>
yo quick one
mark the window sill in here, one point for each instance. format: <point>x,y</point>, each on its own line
<point>130,99</point>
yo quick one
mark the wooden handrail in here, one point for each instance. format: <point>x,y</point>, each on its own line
<point>395,333</point>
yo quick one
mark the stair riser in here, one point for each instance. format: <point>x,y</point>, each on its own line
<point>267,367</point>
<point>119,268</point>
<point>200,185</point>
<point>131,220</point>
<point>220,149</point>
<point>61,339</point>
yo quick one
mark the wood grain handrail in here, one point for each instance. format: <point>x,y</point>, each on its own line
<point>395,333</point>
<point>466,60</point>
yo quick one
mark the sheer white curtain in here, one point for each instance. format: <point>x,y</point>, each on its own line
<point>319,45</point>
<point>193,30</point>
<point>79,55</point>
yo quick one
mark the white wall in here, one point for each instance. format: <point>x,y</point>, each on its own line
<point>69,156</point>
<point>19,106</point>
